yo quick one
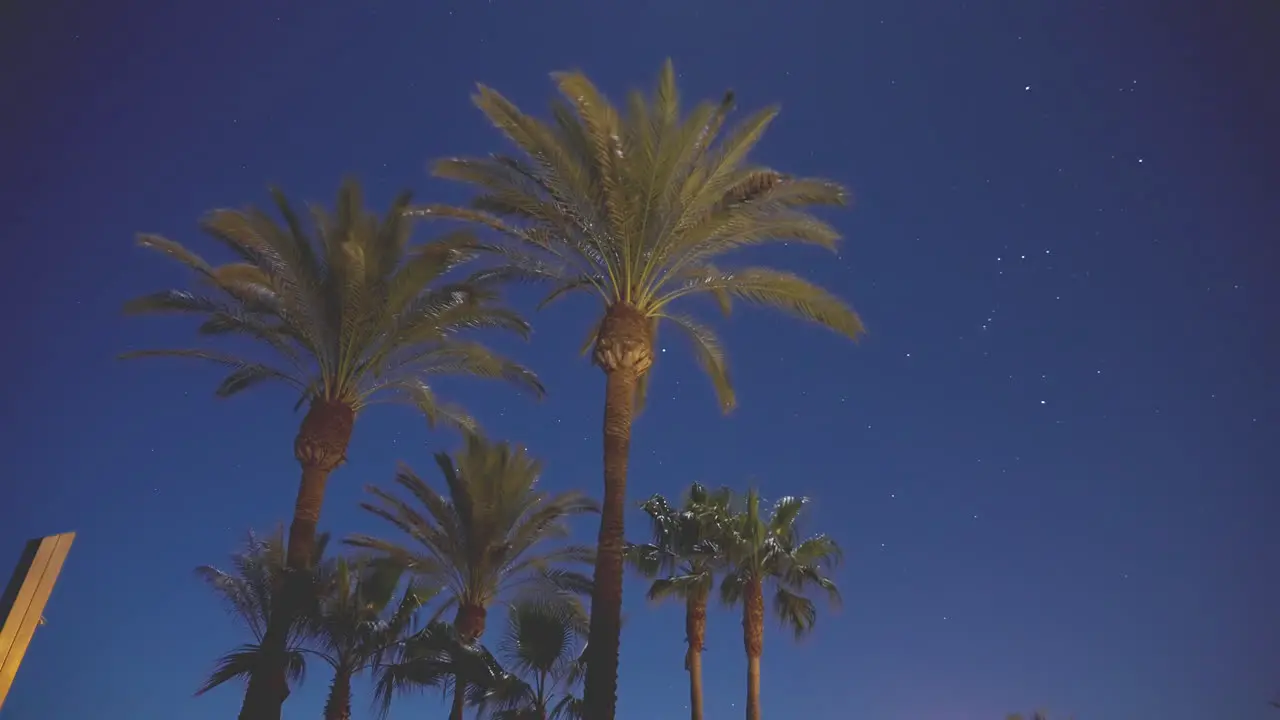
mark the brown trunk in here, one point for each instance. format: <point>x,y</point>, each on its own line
<point>600,695</point>
<point>459,701</point>
<point>469,623</point>
<point>624,350</point>
<point>753,639</point>
<point>321,445</point>
<point>338,706</point>
<point>695,627</point>
<point>753,688</point>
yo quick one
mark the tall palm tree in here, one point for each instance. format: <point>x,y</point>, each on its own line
<point>686,552</point>
<point>541,656</point>
<point>357,621</point>
<point>492,534</point>
<point>247,591</point>
<point>636,207</point>
<point>349,315</point>
<point>769,550</point>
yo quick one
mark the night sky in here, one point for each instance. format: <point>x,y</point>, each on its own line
<point>1051,463</point>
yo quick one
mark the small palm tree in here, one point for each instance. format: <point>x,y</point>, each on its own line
<point>686,552</point>
<point>357,621</point>
<point>350,315</point>
<point>541,656</point>
<point>769,550</point>
<point>493,534</point>
<point>637,207</point>
<point>247,590</point>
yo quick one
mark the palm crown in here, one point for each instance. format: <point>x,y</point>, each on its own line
<point>764,549</point>
<point>638,205</point>
<point>349,312</point>
<point>687,545</point>
<point>483,538</point>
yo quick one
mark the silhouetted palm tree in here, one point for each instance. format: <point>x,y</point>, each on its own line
<point>493,534</point>
<point>350,315</point>
<point>358,620</point>
<point>770,550</point>
<point>686,552</point>
<point>636,206</point>
<point>247,590</point>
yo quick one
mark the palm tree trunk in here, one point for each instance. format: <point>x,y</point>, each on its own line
<point>459,699</point>
<point>624,350</point>
<point>695,625</point>
<point>753,639</point>
<point>600,694</point>
<point>320,447</point>
<point>469,623</point>
<point>338,706</point>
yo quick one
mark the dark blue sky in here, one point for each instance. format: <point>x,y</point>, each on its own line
<point>1051,463</point>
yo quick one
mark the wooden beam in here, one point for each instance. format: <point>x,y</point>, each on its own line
<point>22,606</point>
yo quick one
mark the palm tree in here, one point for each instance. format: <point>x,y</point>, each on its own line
<point>247,591</point>
<point>637,206</point>
<point>686,551</point>
<point>769,550</point>
<point>494,533</point>
<point>542,653</point>
<point>350,316</point>
<point>358,620</point>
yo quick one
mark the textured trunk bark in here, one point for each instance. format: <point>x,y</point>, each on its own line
<point>753,688</point>
<point>624,350</point>
<point>695,625</point>
<point>601,690</point>
<point>338,706</point>
<point>320,447</point>
<point>753,639</point>
<point>469,623</point>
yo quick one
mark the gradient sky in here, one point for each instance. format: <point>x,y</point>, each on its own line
<point>1051,464</point>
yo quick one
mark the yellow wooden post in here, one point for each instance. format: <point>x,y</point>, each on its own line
<point>22,606</point>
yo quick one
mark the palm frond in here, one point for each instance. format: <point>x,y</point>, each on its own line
<point>239,664</point>
<point>709,354</point>
<point>780,290</point>
<point>490,531</point>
